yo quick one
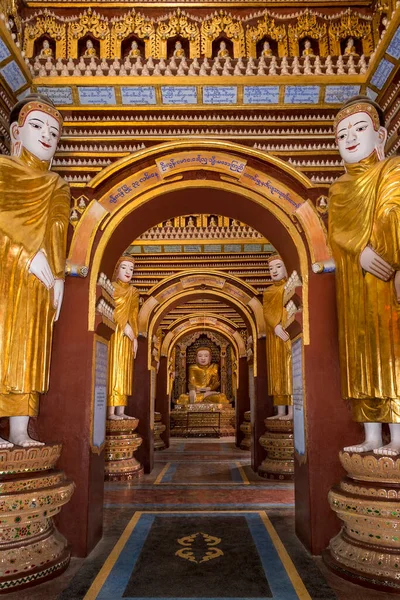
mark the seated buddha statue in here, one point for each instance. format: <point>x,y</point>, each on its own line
<point>46,51</point>
<point>179,51</point>
<point>350,48</point>
<point>266,51</point>
<point>308,51</point>
<point>134,52</point>
<point>203,381</point>
<point>223,52</point>
<point>90,50</point>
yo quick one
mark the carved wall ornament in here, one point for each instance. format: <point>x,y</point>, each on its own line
<point>47,25</point>
<point>136,24</point>
<point>350,25</point>
<point>227,25</point>
<point>308,26</point>
<point>94,24</point>
<point>178,25</point>
<point>266,27</point>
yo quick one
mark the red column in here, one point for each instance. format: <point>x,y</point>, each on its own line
<point>162,399</point>
<point>263,406</point>
<point>328,422</point>
<point>242,397</point>
<point>65,416</point>
<point>139,406</point>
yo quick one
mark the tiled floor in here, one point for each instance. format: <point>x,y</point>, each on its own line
<point>204,476</point>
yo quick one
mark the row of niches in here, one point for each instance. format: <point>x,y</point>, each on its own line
<point>307,65</point>
<point>221,35</point>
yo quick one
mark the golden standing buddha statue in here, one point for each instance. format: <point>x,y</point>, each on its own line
<point>35,205</point>
<point>203,381</point>
<point>123,344</point>
<point>279,350</point>
<point>364,216</point>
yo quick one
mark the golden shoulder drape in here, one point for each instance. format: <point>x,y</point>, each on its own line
<point>279,353</point>
<point>203,377</point>
<point>34,213</point>
<point>120,361</point>
<point>364,209</point>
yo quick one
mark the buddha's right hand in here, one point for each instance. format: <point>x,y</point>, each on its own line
<point>375,264</point>
<point>397,285</point>
<point>40,268</point>
<point>128,331</point>
<point>281,333</point>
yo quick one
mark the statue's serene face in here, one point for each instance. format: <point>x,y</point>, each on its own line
<point>89,44</point>
<point>39,134</point>
<point>266,45</point>
<point>178,45</point>
<point>307,44</point>
<point>222,46</point>
<point>350,43</point>
<point>357,138</point>
<point>125,271</point>
<point>277,270</point>
<point>46,45</point>
<point>203,358</point>
<point>134,46</point>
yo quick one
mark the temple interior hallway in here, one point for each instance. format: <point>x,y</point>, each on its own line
<point>201,525</point>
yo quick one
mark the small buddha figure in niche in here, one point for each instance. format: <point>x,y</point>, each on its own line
<point>169,223</point>
<point>307,50</point>
<point>179,51</point>
<point>46,51</point>
<point>235,223</point>
<point>364,212</point>
<point>213,222</point>
<point>203,381</point>
<point>90,50</point>
<point>350,48</point>
<point>134,52</point>
<point>266,51</point>
<point>191,222</point>
<point>123,343</point>
<point>223,51</point>
<point>279,350</point>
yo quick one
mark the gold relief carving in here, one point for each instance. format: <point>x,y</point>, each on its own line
<point>266,28</point>
<point>137,24</point>
<point>45,25</point>
<point>199,280</point>
<point>10,10</point>
<point>308,25</point>
<point>38,458</point>
<point>222,23</point>
<point>89,23</point>
<point>350,25</point>
<point>189,543</point>
<point>178,24</point>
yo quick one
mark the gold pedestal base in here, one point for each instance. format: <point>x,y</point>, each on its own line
<point>278,442</point>
<point>367,501</point>
<point>159,429</point>
<point>32,492</point>
<point>203,420</point>
<point>245,428</point>
<point>121,444</point>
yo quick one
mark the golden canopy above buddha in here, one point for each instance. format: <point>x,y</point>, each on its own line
<point>204,382</point>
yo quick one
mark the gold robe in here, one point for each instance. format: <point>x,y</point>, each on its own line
<point>364,209</point>
<point>34,214</point>
<point>203,377</point>
<point>120,359</point>
<point>279,353</point>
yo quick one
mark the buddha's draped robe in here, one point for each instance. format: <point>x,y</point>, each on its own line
<point>279,353</point>
<point>120,360</point>
<point>34,214</point>
<point>364,209</point>
<point>203,377</point>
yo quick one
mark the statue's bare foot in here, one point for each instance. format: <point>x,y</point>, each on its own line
<point>391,449</point>
<point>273,417</point>
<point>4,444</point>
<point>366,446</point>
<point>25,441</point>
<point>127,417</point>
<point>115,417</point>
<point>285,418</point>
